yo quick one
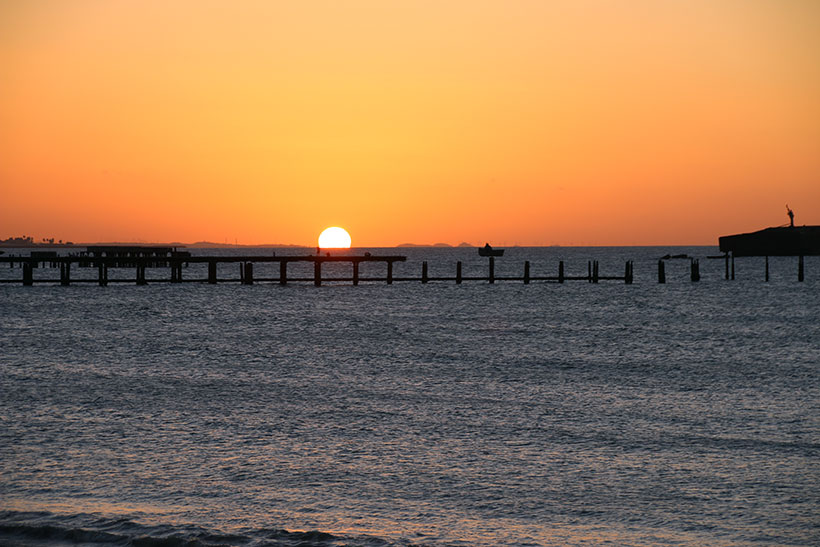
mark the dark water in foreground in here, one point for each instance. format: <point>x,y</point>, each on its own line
<point>575,414</point>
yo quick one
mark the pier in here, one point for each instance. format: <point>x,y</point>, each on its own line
<point>246,273</point>
<point>174,264</point>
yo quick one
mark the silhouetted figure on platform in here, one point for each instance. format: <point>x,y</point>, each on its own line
<point>791,217</point>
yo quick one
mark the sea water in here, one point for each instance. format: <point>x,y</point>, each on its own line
<point>415,414</point>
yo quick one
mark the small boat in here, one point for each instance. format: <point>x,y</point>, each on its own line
<point>487,250</point>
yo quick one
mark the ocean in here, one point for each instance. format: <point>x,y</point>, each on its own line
<point>415,414</point>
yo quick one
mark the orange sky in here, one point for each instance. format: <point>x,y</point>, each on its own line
<point>517,122</point>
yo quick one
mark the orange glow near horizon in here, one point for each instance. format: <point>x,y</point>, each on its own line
<point>533,123</point>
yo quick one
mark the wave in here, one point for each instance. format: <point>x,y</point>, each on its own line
<point>44,529</point>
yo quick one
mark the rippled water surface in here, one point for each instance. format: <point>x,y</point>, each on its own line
<point>439,414</point>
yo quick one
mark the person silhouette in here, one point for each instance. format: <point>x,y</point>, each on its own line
<point>791,216</point>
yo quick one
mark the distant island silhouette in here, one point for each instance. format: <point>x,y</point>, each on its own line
<point>462,244</point>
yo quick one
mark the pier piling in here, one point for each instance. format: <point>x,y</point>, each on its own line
<point>424,278</point>
<point>492,269</point>
<point>212,272</point>
<point>28,274</point>
<point>283,273</point>
<point>661,271</point>
<point>102,274</point>
<point>317,273</point>
<point>65,274</point>
<point>561,271</point>
<point>355,273</point>
<point>694,267</point>
<point>527,272</point>
<point>458,273</point>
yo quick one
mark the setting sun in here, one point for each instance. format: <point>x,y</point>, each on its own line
<point>334,238</point>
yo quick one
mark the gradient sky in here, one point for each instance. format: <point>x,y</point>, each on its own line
<point>516,122</point>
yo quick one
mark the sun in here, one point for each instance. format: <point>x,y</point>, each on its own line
<point>334,238</point>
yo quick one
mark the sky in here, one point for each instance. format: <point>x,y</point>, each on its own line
<point>578,122</point>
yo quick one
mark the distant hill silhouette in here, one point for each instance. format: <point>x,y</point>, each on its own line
<point>424,245</point>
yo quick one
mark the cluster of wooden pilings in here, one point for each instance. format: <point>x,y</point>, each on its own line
<point>729,260</point>
<point>694,268</point>
<point>593,274</point>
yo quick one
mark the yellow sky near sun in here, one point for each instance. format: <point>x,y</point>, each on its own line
<point>531,122</point>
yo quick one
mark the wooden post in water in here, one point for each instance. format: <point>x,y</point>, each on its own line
<point>65,274</point>
<point>561,271</point>
<point>283,272</point>
<point>595,271</point>
<point>176,272</point>
<point>424,277</point>
<point>317,272</point>
<point>102,274</point>
<point>212,272</point>
<point>527,272</point>
<point>589,271</point>
<point>492,269</point>
<point>661,271</point>
<point>726,259</point>
<point>355,273</point>
<point>248,273</point>
<point>458,273</point>
<point>628,272</point>
<point>767,268</point>
<point>694,270</point>
<point>141,273</point>
<point>242,273</point>
<point>389,272</point>
<point>28,274</point>
<point>733,267</point>
<point>800,268</point>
